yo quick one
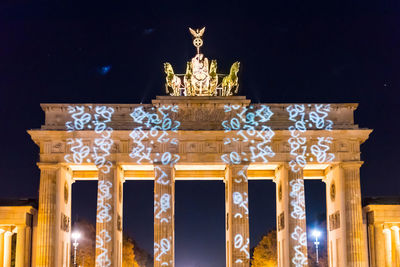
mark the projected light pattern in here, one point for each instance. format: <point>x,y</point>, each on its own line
<point>249,127</point>
<point>81,152</point>
<point>154,128</point>
<point>243,246</point>
<point>240,212</point>
<point>95,119</point>
<point>297,203</point>
<point>162,249</point>
<point>163,215</point>
<point>299,259</point>
<point>102,259</point>
<point>297,199</point>
<point>315,119</point>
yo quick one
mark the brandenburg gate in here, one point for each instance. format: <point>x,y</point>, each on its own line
<point>202,130</point>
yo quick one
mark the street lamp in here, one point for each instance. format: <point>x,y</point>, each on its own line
<point>316,234</point>
<point>75,236</point>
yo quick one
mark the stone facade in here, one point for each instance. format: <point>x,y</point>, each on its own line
<point>201,143</point>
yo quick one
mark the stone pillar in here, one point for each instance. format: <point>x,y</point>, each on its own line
<point>21,247</point>
<point>388,247</point>
<point>291,217</point>
<point>46,231</point>
<point>53,230</point>
<point>109,217</point>
<point>379,246</point>
<point>2,247</point>
<point>396,236</point>
<point>7,248</point>
<point>28,245</point>
<point>237,216</point>
<point>164,215</point>
<point>344,212</point>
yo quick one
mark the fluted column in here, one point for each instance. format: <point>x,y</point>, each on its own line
<point>46,237</point>
<point>291,217</point>
<point>109,218</point>
<point>21,247</point>
<point>164,215</point>
<point>237,216</point>
<point>388,247</point>
<point>350,172</point>
<point>379,246</point>
<point>2,247</point>
<point>396,237</point>
<point>7,248</point>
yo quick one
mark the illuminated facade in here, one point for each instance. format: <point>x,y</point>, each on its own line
<point>18,223</point>
<point>200,137</point>
<point>382,225</point>
<point>201,132</point>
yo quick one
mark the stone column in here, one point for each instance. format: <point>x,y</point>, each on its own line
<point>237,216</point>
<point>21,247</point>
<point>291,217</point>
<point>109,218</point>
<point>46,237</point>
<point>164,215</point>
<point>53,225</point>
<point>2,247</point>
<point>344,212</point>
<point>379,246</point>
<point>350,173</point>
<point>388,247</point>
<point>396,236</point>
<point>7,248</point>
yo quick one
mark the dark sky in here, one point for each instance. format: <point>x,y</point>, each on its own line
<point>290,51</point>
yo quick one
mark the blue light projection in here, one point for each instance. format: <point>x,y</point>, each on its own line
<point>316,118</point>
<point>154,125</point>
<point>81,153</point>
<point>157,127</point>
<point>249,126</point>
<point>246,125</point>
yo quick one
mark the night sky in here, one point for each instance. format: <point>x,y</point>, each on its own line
<point>113,52</point>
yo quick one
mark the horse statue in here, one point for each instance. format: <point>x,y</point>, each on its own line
<point>231,80</point>
<point>172,80</point>
<point>187,80</point>
<point>213,77</point>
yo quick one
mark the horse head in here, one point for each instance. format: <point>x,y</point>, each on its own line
<point>235,68</point>
<point>168,69</point>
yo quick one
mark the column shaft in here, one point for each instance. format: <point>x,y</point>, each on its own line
<point>21,244</point>
<point>109,218</point>
<point>237,211</point>
<point>356,257</point>
<point>46,239</point>
<point>2,247</point>
<point>7,249</point>
<point>388,247</point>
<point>291,217</point>
<point>164,216</point>
<point>396,236</point>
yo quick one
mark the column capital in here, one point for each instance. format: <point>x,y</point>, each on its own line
<point>395,228</point>
<point>350,164</point>
<point>48,166</point>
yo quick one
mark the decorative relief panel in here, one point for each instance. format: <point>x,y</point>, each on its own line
<point>58,147</point>
<point>334,221</point>
<point>281,221</point>
<point>211,147</point>
<point>65,222</point>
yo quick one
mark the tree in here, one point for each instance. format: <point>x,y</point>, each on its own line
<point>128,254</point>
<point>87,244</point>
<point>87,247</point>
<point>264,254</point>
